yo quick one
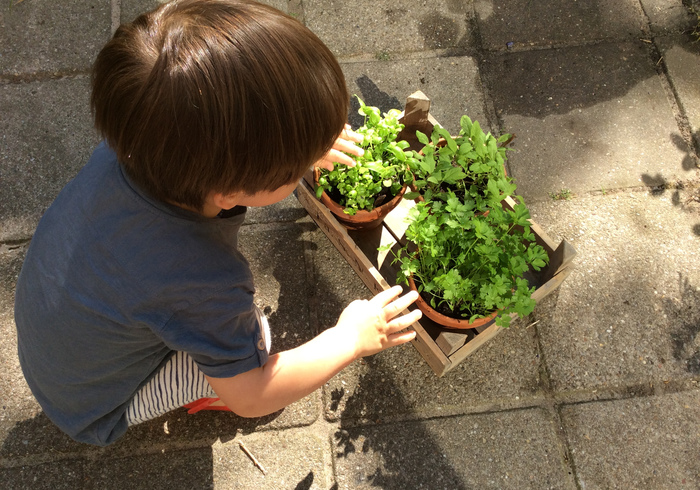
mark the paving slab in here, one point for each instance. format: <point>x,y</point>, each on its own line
<point>130,9</point>
<point>46,137</point>
<point>586,118</point>
<point>379,29</point>
<point>629,314</point>
<point>667,17</point>
<point>682,58</point>
<point>398,383</point>
<point>565,403</point>
<point>276,256</point>
<point>17,404</point>
<point>288,209</point>
<point>515,449</point>
<point>452,84</point>
<point>164,469</point>
<point>332,282</point>
<point>291,459</point>
<point>33,36</point>
<point>507,24</point>
<point>58,475</point>
<point>648,442</point>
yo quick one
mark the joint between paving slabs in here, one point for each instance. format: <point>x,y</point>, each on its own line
<point>12,245</point>
<point>43,76</point>
<point>551,403</point>
<point>679,112</point>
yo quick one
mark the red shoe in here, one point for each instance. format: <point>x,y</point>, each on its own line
<point>206,404</point>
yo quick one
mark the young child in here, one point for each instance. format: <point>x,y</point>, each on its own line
<point>133,299</point>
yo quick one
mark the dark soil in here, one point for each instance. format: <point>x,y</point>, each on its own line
<point>443,309</point>
<point>383,197</point>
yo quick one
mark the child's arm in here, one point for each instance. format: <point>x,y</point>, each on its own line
<point>364,328</point>
<point>344,144</point>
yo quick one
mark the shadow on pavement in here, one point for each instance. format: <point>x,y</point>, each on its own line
<point>399,452</point>
<point>685,194</point>
<point>371,95</point>
<point>392,464</point>
<point>686,316</point>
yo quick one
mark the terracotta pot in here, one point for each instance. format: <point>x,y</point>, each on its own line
<point>362,220</point>
<point>447,321</point>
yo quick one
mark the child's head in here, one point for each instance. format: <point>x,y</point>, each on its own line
<point>222,96</point>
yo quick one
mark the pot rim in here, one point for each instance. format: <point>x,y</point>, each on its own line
<point>448,321</point>
<point>362,216</point>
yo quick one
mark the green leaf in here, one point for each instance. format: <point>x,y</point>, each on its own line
<point>427,164</point>
<point>453,175</point>
<point>466,125</point>
<point>505,137</point>
<point>422,138</point>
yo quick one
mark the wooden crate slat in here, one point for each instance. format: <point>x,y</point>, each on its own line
<point>450,341</point>
<point>560,259</point>
<point>337,234</point>
<point>471,347</point>
<point>548,288</point>
<point>416,117</point>
<point>430,352</point>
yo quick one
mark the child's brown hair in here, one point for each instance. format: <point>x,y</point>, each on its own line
<point>220,95</point>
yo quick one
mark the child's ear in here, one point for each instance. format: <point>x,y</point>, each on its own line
<point>224,201</point>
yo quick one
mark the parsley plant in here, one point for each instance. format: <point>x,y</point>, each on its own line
<point>468,253</point>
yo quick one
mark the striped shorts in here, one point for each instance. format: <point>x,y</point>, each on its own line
<point>178,383</point>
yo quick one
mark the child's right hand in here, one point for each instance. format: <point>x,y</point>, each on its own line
<point>371,326</point>
<point>364,328</point>
<point>344,144</point>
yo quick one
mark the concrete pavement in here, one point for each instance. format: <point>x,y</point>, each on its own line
<point>597,389</point>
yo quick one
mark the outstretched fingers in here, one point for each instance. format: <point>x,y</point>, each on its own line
<point>391,303</point>
<point>400,338</point>
<point>395,305</point>
<point>387,296</point>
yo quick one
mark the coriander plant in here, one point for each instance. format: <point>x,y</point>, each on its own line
<point>471,165</point>
<point>380,174</point>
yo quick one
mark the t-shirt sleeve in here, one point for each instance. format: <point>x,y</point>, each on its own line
<point>221,333</point>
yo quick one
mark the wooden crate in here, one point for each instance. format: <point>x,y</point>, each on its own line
<point>442,349</point>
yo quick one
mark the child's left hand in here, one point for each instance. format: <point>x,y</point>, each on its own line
<point>344,144</point>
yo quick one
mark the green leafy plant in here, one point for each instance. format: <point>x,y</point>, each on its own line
<point>380,174</point>
<point>382,56</point>
<point>467,253</point>
<point>562,195</point>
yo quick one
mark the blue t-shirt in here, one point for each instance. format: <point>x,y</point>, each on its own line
<point>113,283</point>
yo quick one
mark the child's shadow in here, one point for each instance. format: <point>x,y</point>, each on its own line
<point>38,435</point>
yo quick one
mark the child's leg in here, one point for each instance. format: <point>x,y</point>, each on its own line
<point>177,383</point>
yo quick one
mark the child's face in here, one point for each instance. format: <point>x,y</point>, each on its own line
<point>215,202</point>
<point>265,198</point>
